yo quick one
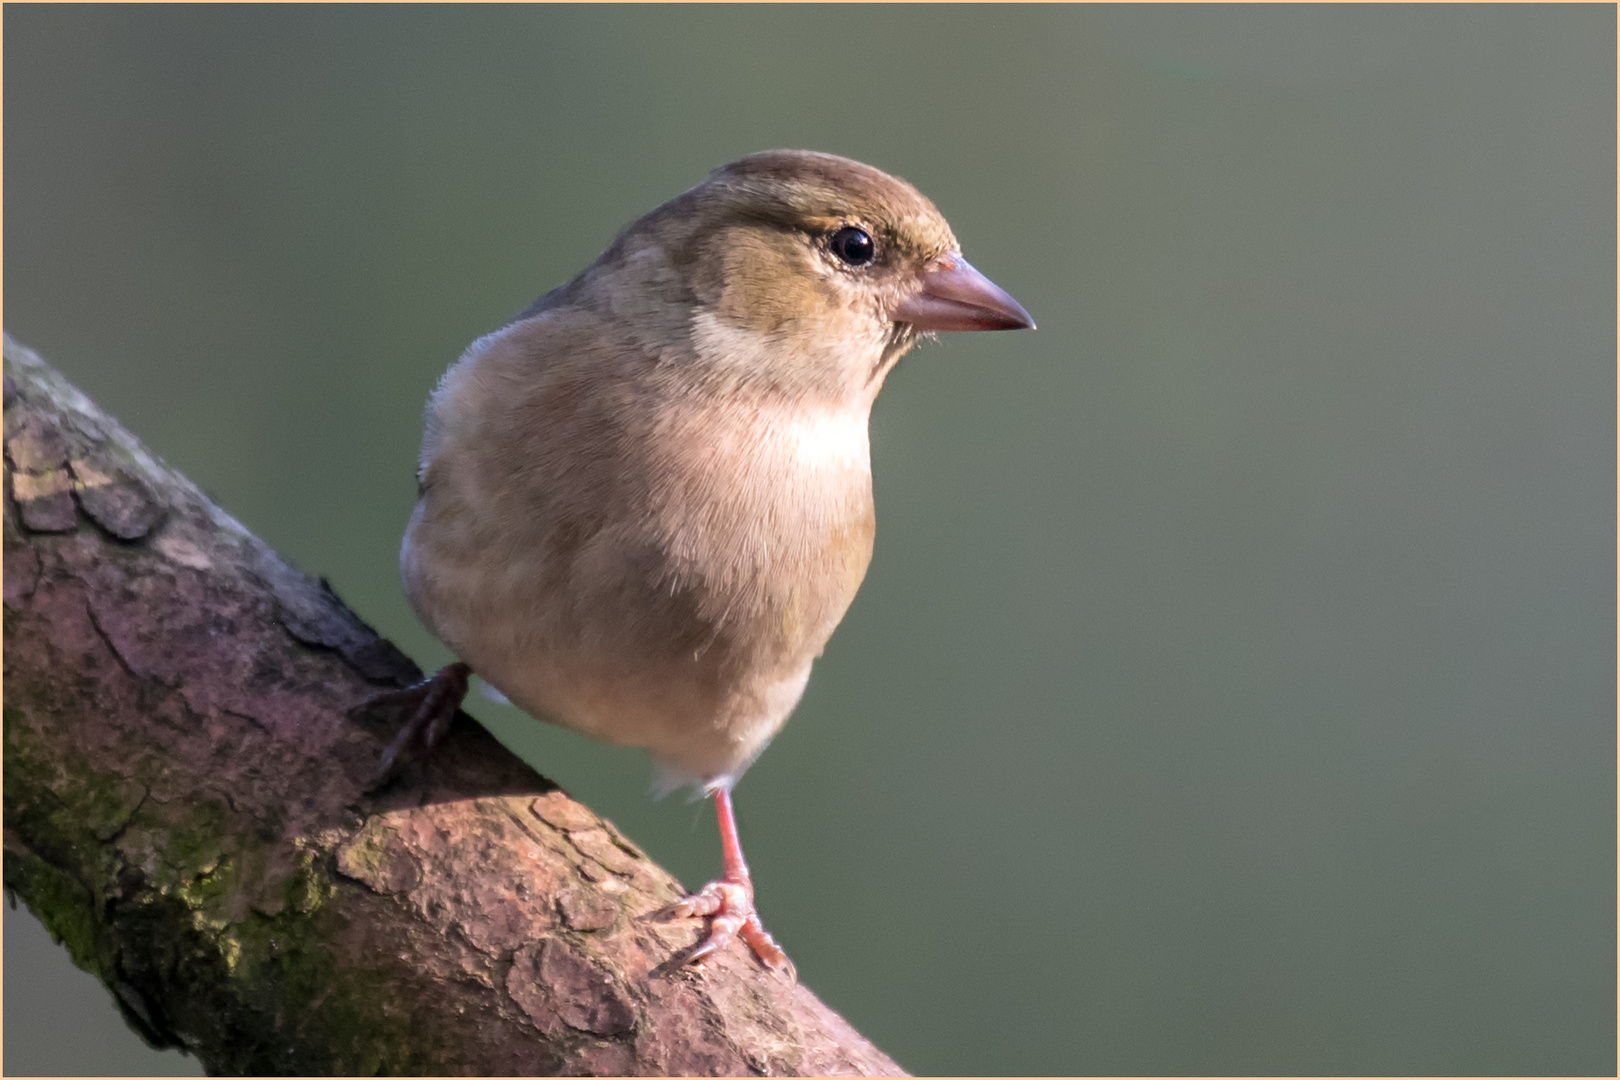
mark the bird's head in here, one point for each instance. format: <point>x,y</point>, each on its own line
<point>827,267</point>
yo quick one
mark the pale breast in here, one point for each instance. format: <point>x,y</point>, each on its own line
<point>647,564</point>
<point>818,440</point>
<point>765,517</point>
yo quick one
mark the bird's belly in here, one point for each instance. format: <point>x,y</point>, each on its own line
<point>687,628</point>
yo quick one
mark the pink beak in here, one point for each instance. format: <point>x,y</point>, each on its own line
<point>951,295</point>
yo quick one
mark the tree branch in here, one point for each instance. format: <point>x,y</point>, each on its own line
<point>183,809</point>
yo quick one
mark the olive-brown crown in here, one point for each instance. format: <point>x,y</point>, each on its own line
<point>818,193</point>
<point>796,241</point>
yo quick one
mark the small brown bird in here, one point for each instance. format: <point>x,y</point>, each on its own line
<point>647,501</point>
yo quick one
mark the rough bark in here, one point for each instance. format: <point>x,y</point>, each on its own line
<point>184,810</point>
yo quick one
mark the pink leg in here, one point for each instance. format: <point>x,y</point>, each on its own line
<point>730,901</point>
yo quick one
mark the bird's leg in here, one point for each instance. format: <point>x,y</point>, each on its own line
<point>729,902</point>
<point>434,703</point>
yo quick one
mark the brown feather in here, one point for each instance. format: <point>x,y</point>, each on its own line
<point>647,502</point>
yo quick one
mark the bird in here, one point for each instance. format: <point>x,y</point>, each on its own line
<point>645,502</point>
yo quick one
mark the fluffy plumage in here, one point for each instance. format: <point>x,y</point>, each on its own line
<point>647,501</point>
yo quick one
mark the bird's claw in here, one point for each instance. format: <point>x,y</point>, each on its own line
<point>435,700</point>
<point>729,906</point>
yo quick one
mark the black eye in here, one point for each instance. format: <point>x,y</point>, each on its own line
<point>852,246</point>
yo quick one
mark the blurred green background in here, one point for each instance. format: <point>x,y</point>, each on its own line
<point>1233,690</point>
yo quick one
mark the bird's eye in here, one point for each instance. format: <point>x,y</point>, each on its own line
<point>852,246</point>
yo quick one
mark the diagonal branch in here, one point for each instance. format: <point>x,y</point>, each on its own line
<point>184,810</point>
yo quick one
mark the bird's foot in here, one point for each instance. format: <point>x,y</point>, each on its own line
<point>433,702</point>
<point>729,905</point>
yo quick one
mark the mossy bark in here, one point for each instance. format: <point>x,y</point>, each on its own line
<point>184,810</point>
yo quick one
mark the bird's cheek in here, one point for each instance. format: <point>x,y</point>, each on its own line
<point>751,282</point>
<point>769,303</point>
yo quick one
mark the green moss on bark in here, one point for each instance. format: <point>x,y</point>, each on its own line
<point>62,904</point>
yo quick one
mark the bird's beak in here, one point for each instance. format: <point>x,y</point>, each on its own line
<point>951,295</point>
